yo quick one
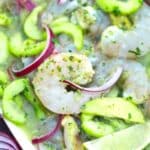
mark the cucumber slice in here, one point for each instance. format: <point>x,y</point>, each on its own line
<point>5,20</point>
<point>12,111</point>
<point>31,28</point>
<point>70,29</point>
<point>124,7</point>
<point>26,48</point>
<point>3,48</point>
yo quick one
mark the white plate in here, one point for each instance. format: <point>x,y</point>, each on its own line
<point>20,136</point>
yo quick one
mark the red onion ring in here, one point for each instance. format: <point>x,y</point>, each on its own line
<point>50,134</point>
<point>44,55</point>
<point>7,141</point>
<point>27,4</point>
<point>148,2</point>
<point>102,88</point>
<point>5,146</point>
<point>60,2</point>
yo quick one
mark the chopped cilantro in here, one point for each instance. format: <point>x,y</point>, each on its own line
<point>137,51</point>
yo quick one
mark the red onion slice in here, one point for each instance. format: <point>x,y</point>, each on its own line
<point>61,1</point>
<point>50,134</point>
<point>148,2</point>
<point>7,142</point>
<point>44,55</point>
<point>102,88</point>
<point>27,4</point>
<point>5,146</point>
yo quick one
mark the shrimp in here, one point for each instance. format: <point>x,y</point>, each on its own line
<point>53,93</point>
<point>133,43</point>
<point>134,80</point>
<point>55,10</point>
<point>137,84</point>
<point>90,19</point>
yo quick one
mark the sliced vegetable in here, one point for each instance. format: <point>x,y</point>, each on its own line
<point>63,26</point>
<point>114,108</point>
<point>27,48</point>
<point>124,7</point>
<point>3,81</point>
<point>3,48</point>
<point>102,88</point>
<point>114,92</point>
<point>95,128</point>
<point>15,115</point>
<point>27,4</point>
<point>71,134</point>
<point>10,101</point>
<point>5,20</point>
<point>6,142</point>
<point>136,137</point>
<point>147,1</point>
<point>40,59</point>
<point>60,20</point>
<point>49,135</point>
<point>30,96</point>
<point>61,1</point>
<point>31,27</point>
<point>3,77</point>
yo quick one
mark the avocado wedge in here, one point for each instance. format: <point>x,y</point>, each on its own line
<point>114,108</point>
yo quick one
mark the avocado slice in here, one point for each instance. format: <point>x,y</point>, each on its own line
<point>114,108</point>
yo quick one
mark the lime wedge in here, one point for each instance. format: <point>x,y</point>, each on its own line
<point>132,138</point>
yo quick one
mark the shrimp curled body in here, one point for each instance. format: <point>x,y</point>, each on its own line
<point>52,91</point>
<point>116,42</point>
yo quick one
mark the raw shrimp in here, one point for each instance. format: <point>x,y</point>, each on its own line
<point>91,19</point>
<point>53,93</point>
<point>136,84</point>
<point>134,80</point>
<point>133,43</point>
<point>55,10</point>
